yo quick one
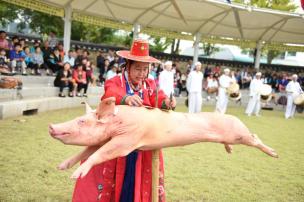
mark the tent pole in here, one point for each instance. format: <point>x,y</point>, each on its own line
<point>196,48</point>
<point>258,55</point>
<point>136,31</point>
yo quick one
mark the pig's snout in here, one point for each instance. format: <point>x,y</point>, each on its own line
<point>51,130</point>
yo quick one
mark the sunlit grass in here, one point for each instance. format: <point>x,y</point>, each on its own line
<point>200,172</point>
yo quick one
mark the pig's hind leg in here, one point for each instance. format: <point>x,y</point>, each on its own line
<point>84,154</point>
<point>117,147</point>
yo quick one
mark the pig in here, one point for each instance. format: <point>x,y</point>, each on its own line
<point>113,131</point>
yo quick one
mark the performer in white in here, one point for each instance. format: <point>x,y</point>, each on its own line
<point>166,79</point>
<point>254,104</point>
<point>212,86</point>
<point>293,89</point>
<point>194,87</point>
<point>225,81</point>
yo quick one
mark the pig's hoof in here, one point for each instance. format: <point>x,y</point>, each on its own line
<point>81,171</point>
<point>64,166</point>
<point>228,148</point>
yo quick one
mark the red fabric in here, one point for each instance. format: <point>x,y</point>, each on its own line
<point>110,174</point>
<point>302,4</point>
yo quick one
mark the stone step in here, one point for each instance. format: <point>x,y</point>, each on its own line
<point>37,91</point>
<point>32,106</point>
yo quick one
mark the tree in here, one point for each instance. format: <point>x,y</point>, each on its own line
<point>209,49</point>
<point>8,13</point>
<point>159,44</point>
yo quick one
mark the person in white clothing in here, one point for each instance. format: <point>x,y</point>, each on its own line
<point>212,86</point>
<point>166,79</point>
<point>293,89</point>
<point>194,87</point>
<point>254,104</point>
<point>225,81</point>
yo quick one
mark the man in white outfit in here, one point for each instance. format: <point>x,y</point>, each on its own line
<point>254,104</point>
<point>293,89</point>
<point>194,87</point>
<point>225,81</point>
<point>166,79</point>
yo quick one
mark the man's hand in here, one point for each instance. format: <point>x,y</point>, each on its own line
<point>134,100</point>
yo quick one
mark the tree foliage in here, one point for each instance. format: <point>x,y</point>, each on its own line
<point>209,49</point>
<point>282,5</point>
<point>159,44</point>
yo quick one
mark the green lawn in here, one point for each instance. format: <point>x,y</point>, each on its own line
<point>200,172</point>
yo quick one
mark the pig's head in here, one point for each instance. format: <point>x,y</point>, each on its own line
<point>89,129</point>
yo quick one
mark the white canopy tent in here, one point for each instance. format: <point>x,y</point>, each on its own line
<point>198,20</point>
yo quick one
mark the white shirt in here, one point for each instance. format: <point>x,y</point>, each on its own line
<point>212,83</point>
<point>195,82</point>
<point>294,88</point>
<point>255,86</point>
<point>166,82</point>
<point>225,81</point>
<point>70,60</point>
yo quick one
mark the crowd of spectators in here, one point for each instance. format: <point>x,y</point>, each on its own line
<point>75,70</point>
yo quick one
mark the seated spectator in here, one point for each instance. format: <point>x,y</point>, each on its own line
<point>28,58</point>
<point>37,60</point>
<point>3,62</point>
<point>22,43</point>
<point>17,59</point>
<point>46,52</point>
<point>64,79</point>
<point>79,77</point>
<point>55,61</point>
<point>61,50</point>
<point>33,48</point>
<point>78,57</point>
<point>15,40</point>
<point>89,74</point>
<point>3,41</point>
<point>112,72</point>
<point>70,58</point>
<point>100,63</point>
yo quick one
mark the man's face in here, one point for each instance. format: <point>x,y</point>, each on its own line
<point>17,48</point>
<point>138,71</point>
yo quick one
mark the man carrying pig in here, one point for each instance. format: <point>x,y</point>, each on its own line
<point>127,179</point>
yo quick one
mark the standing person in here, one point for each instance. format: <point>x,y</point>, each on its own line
<point>166,79</point>
<point>293,89</point>
<point>128,178</point>
<point>194,87</point>
<point>225,81</point>
<point>52,40</point>
<point>254,104</point>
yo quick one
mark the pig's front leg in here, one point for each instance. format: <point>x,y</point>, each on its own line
<point>84,154</point>
<point>117,147</point>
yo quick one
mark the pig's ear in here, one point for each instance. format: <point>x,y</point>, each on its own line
<point>106,106</point>
<point>88,108</point>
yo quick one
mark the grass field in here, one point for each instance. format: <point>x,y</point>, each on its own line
<point>200,172</point>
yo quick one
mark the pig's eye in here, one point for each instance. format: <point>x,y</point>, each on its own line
<point>81,122</point>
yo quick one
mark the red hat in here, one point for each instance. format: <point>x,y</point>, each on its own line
<point>139,52</point>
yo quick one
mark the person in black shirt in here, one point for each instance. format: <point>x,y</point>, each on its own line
<point>64,79</point>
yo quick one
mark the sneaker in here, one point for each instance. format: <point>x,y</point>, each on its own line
<point>71,95</point>
<point>85,95</point>
<point>78,95</point>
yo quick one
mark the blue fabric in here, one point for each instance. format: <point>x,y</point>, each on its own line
<point>127,192</point>
<point>128,187</point>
